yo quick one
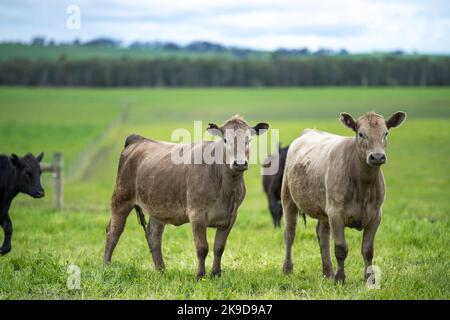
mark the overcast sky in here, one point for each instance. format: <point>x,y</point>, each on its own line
<point>357,25</point>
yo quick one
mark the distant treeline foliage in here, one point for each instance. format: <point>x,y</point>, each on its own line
<point>195,46</point>
<point>311,71</point>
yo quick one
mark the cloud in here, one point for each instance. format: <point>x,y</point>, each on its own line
<point>358,25</point>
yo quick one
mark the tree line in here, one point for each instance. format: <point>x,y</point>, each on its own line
<point>194,46</point>
<point>220,72</point>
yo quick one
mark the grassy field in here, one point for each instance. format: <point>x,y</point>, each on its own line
<point>89,126</point>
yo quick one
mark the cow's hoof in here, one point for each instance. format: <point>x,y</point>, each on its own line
<point>200,276</point>
<point>287,268</point>
<point>216,273</point>
<point>5,250</point>
<point>160,269</point>
<point>339,277</point>
<point>328,273</point>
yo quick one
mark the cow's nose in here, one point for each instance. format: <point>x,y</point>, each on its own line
<point>240,164</point>
<point>40,194</point>
<point>377,158</point>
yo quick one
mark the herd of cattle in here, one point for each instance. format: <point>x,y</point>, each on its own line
<point>336,180</point>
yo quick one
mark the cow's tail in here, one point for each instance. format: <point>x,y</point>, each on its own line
<point>303,215</point>
<point>141,217</point>
<point>131,139</point>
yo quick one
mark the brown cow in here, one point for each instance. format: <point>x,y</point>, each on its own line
<point>207,195</point>
<point>337,180</point>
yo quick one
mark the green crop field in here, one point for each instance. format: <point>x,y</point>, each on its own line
<point>90,125</point>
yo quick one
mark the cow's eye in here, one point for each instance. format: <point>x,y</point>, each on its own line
<point>360,135</point>
<point>386,134</point>
<point>28,175</point>
<point>224,140</point>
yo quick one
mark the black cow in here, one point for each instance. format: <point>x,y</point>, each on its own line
<point>17,174</point>
<point>272,184</point>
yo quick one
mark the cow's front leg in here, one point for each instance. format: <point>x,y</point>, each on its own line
<point>201,245</point>
<point>340,245</point>
<point>274,207</point>
<point>323,237</point>
<point>8,229</point>
<point>219,246</point>
<point>367,244</point>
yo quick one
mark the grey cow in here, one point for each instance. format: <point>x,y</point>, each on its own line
<point>205,194</point>
<point>338,181</point>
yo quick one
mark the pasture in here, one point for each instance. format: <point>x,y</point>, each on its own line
<point>90,125</point>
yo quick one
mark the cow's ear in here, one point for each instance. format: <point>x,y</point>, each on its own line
<point>40,157</point>
<point>15,160</point>
<point>396,119</point>
<point>260,128</point>
<point>214,130</point>
<point>348,121</point>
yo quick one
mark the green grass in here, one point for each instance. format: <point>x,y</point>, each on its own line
<point>90,126</point>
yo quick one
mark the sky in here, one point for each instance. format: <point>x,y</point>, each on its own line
<point>356,25</point>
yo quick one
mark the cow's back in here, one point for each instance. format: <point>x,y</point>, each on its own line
<point>307,166</point>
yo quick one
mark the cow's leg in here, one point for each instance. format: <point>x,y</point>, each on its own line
<point>290,214</point>
<point>154,234</point>
<point>340,245</point>
<point>8,229</point>
<point>201,245</point>
<point>219,246</point>
<point>367,244</point>
<point>323,236</point>
<point>275,207</point>
<point>120,209</point>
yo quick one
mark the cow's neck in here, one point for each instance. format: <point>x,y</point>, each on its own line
<point>8,187</point>
<point>365,174</point>
<point>230,177</point>
<point>230,182</point>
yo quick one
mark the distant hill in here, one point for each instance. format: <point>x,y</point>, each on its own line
<point>105,48</point>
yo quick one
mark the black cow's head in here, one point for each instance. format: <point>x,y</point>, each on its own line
<point>29,174</point>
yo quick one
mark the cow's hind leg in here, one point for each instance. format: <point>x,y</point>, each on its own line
<point>7,228</point>
<point>120,209</point>
<point>290,214</point>
<point>154,234</point>
<point>323,236</point>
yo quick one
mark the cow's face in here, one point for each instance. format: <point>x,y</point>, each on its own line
<point>371,135</point>
<point>29,174</point>
<point>236,137</point>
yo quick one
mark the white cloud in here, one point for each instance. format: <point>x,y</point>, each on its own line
<point>358,25</point>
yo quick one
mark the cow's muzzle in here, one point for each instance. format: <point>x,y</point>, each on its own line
<point>376,159</point>
<point>239,165</point>
<point>38,194</point>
